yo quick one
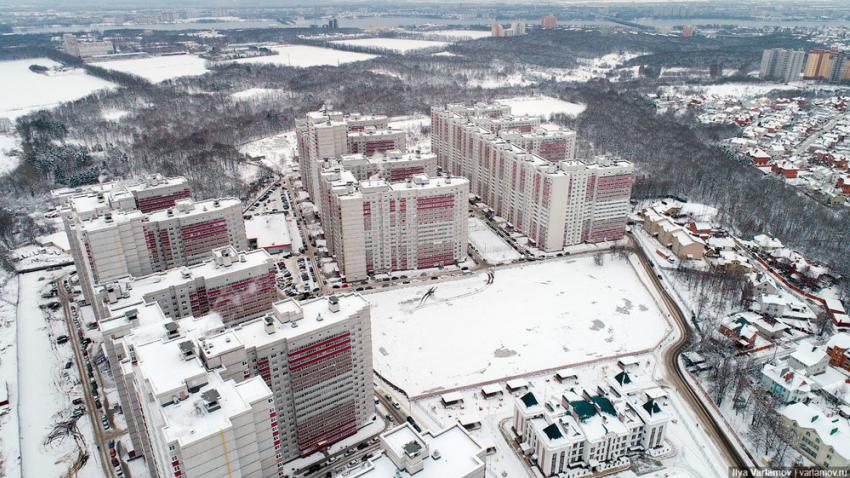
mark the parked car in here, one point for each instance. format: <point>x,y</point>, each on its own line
<point>62,339</point>
<point>69,365</point>
<point>77,401</point>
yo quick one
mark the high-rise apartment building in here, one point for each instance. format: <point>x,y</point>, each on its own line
<point>829,65</point>
<point>314,356</point>
<point>112,238</point>
<point>324,135</point>
<point>555,203</point>
<point>548,22</point>
<point>783,65</point>
<point>377,226</point>
<point>238,286</point>
<point>382,210</point>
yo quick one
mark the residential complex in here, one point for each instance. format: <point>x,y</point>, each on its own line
<point>590,428</point>
<point>382,210</point>
<point>830,65</point>
<point>783,65</point>
<point>309,364</point>
<point>378,226</point>
<point>238,286</point>
<point>324,135</point>
<point>119,231</point>
<point>85,49</point>
<point>556,202</point>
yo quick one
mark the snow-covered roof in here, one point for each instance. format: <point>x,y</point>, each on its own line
<point>808,354</point>
<point>452,397</point>
<point>270,230</point>
<point>840,340</point>
<point>833,431</point>
<point>787,377</point>
<point>491,389</point>
<point>517,383</point>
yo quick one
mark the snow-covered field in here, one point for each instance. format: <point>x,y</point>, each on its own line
<point>544,106</point>
<point>306,56</point>
<point>25,91</point>
<point>457,34</point>
<point>46,388</point>
<point>736,90</point>
<point>7,162</point>
<point>399,45</point>
<point>158,68</point>
<point>532,317</point>
<point>491,247</point>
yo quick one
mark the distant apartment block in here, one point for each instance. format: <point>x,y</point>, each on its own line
<point>112,238</point>
<point>85,49</point>
<point>377,226</point>
<point>782,65</point>
<point>517,28</point>
<point>557,202</point>
<point>238,286</point>
<point>324,135</point>
<point>315,358</point>
<point>548,22</point>
<point>829,65</point>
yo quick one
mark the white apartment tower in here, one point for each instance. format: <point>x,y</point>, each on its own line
<point>556,202</point>
<point>324,135</point>
<point>783,65</point>
<point>376,226</point>
<point>315,357</point>
<point>119,231</point>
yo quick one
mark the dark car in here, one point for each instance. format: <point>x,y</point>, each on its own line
<point>362,446</point>
<point>77,401</point>
<point>69,365</point>
<point>62,339</point>
<point>115,462</point>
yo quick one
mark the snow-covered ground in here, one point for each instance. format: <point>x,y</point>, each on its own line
<point>457,34</point>
<point>8,143</point>
<point>278,151</point>
<point>492,248</point>
<point>25,91</point>
<point>736,90</point>
<point>114,115</point>
<point>306,56</point>
<point>544,106</point>
<point>399,45</point>
<point>158,68</point>
<point>10,450</point>
<point>412,125</point>
<point>532,317</point>
<point>46,388</point>
<point>32,256</point>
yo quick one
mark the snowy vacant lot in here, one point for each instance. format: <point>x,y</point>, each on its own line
<point>393,44</point>
<point>542,106</point>
<point>8,144</point>
<point>305,56</point>
<point>158,68</point>
<point>25,91</point>
<point>532,317</point>
<point>491,247</point>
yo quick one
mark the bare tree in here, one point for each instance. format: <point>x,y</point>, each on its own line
<point>599,258</point>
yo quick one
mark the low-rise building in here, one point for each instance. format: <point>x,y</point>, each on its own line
<point>838,349</point>
<point>589,429</point>
<point>810,358</point>
<point>823,438</point>
<point>450,453</point>
<point>787,384</point>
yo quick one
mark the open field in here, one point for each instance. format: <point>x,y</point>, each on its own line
<point>158,68</point>
<point>305,56</point>
<point>398,45</point>
<point>542,106</point>
<point>532,317</point>
<point>25,91</point>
